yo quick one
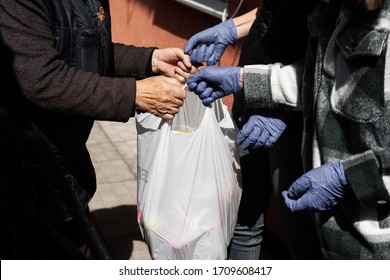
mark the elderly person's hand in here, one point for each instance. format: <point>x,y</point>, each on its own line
<point>160,96</point>
<point>172,62</point>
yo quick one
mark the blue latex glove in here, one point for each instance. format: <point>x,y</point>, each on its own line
<point>320,189</point>
<point>214,82</point>
<point>210,44</point>
<point>260,131</point>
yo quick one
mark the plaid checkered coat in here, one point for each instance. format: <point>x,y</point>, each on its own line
<point>343,88</point>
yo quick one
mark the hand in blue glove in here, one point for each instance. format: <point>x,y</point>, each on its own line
<point>210,44</point>
<point>260,131</point>
<point>319,189</point>
<point>214,82</point>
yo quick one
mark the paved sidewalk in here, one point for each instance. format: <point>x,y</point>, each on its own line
<point>113,149</point>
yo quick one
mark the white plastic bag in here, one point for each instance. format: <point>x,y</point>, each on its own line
<point>188,182</point>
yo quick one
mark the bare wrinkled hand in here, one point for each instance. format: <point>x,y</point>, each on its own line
<point>160,96</point>
<point>172,62</point>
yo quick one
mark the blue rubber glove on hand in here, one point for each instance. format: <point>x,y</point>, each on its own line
<point>320,189</point>
<point>260,131</point>
<point>210,44</point>
<point>214,82</point>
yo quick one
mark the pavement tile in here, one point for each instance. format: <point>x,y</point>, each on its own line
<point>113,149</point>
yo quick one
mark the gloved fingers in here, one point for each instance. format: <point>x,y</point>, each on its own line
<point>218,94</point>
<point>273,124</point>
<point>274,130</point>
<point>247,135</point>
<point>196,56</point>
<point>300,187</point>
<point>246,143</point>
<point>251,140</point>
<point>207,101</point>
<point>248,127</point>
<point>288,201</point>
<point>207,92</point>
<point>200,88</point>
<point>241,136</point>
<point>300,204</point>
<point>219,49</point>
<point>277,126</point>
<point>191,43</point>
<point>192,86</point>
<point>270,124</point>
<point>272,139</point>
<point>262,139</point>
<point>195,78</point>
<point>209,52</point>
<point>193,56</point>
<point>243,140</point>
<point>316,190</point>
<point>213,59</point>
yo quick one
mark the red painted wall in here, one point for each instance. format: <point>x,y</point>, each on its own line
<point>165,23</point>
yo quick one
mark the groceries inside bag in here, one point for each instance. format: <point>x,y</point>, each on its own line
<point>189,181</point>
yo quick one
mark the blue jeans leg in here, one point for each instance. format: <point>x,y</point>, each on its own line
<point>246,244</point>
<point>256,181</point>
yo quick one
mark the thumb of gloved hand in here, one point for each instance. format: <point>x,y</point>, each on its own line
<point>320,189</point>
